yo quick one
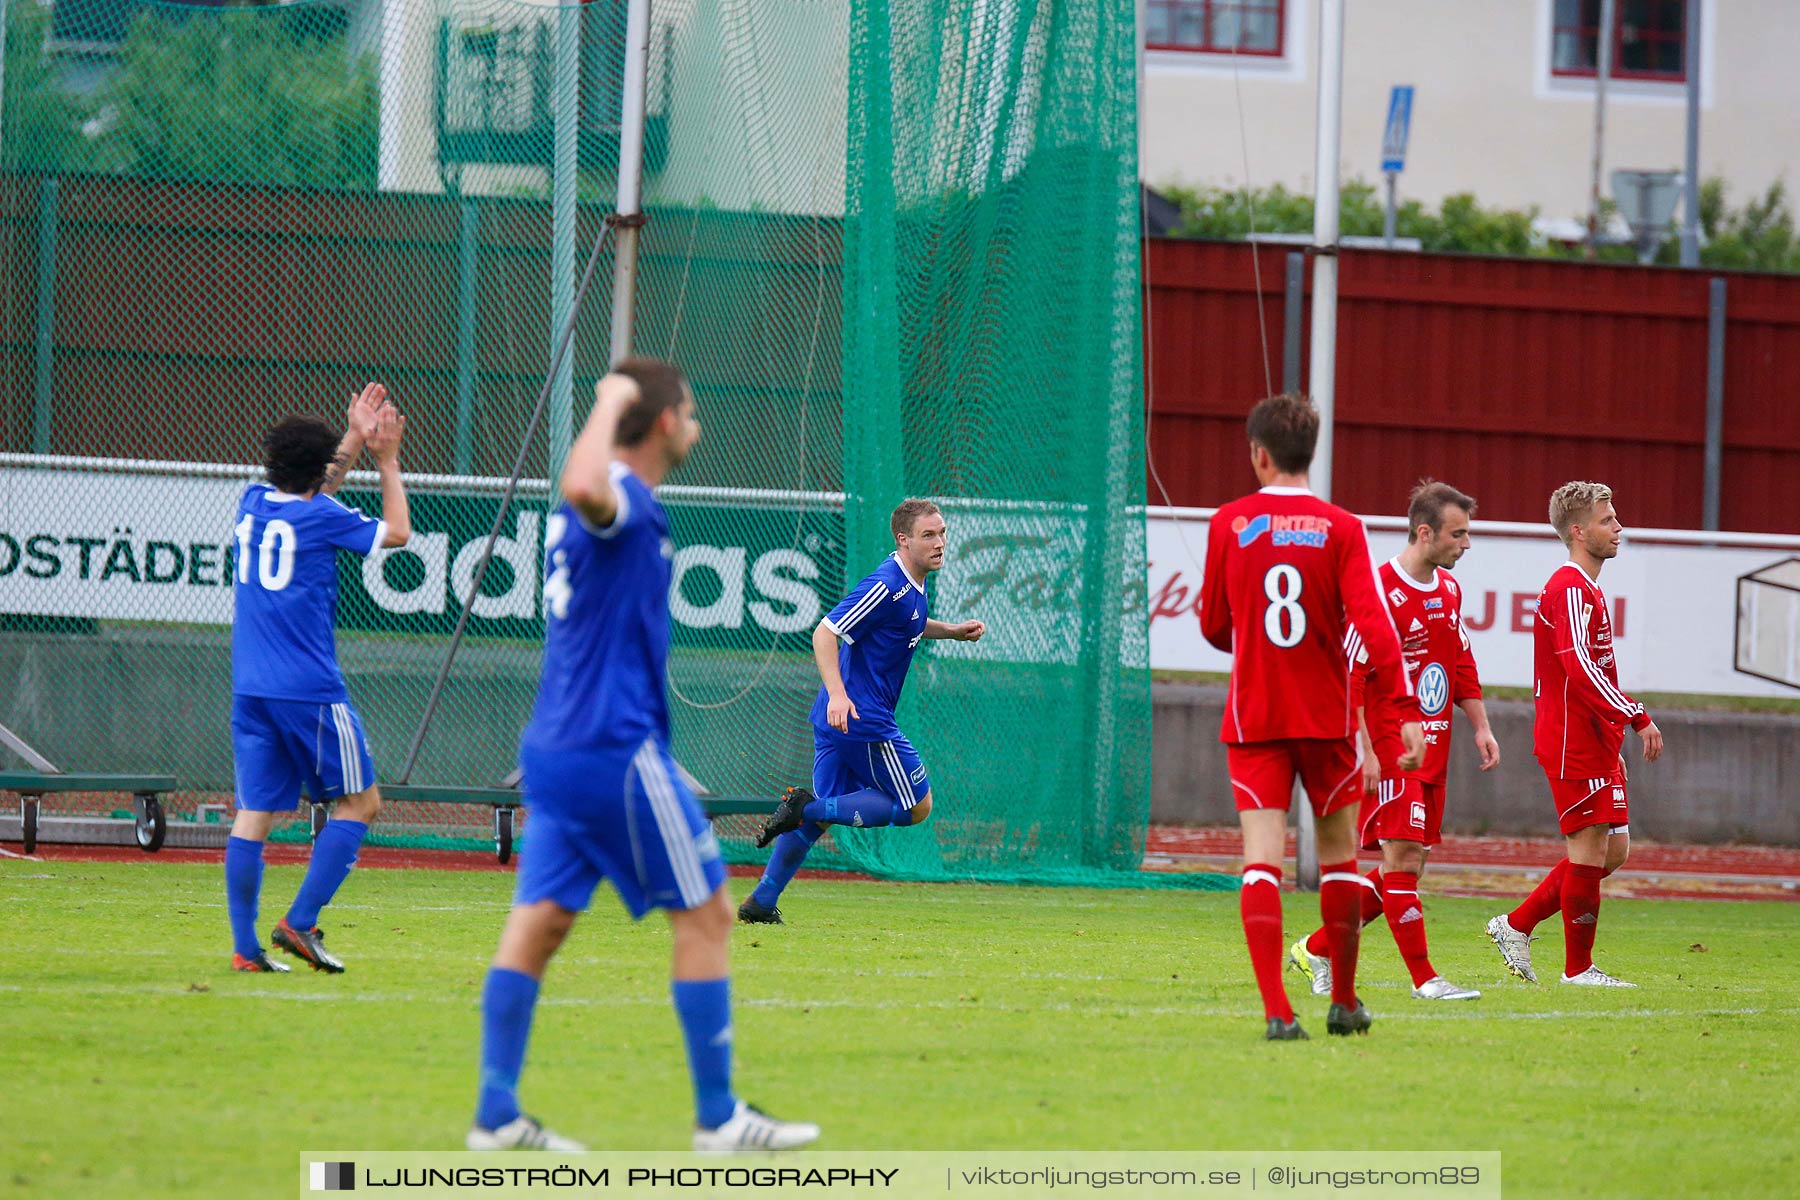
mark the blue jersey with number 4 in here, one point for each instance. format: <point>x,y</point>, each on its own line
<point>606,629</point>
<point>283,639</point>
<point>879,623</point>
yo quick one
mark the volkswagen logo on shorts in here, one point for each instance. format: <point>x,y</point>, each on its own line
<point>1434,689</point>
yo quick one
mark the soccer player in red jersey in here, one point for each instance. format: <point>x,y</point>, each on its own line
<point>1283,571</point>
<point>1403,811</point>
<point>1580,730</point>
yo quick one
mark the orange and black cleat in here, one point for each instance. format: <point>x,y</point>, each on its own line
<point>259,963</point>
<point>306,945</point>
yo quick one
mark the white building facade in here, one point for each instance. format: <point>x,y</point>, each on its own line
<point>1503,93</point>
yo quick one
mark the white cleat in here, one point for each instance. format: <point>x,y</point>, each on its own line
<point>521,1133</point>
<point>1315,965</point>
<point>750,1129</point>
<point>1515,947</point>
<point>1439,988</point>
<point>1595,977</point>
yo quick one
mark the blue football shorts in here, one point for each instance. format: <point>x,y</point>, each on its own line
<point>281,746</point>
<point>624,816</point>
<point>893,767</point>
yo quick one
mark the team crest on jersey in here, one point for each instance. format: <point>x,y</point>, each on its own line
<point>1283,530</point>
<point>1397,597</point>
<point>1434,689</point>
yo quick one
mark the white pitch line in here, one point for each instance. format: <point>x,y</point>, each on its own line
<point>4,853</point>
<point>792,1003</point>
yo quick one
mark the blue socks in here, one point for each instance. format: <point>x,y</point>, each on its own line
<point>334,853</point>
<point>704,1006</point>
<point>508,997</point>
<point>243,886</point>
<point>785,858</point>
<point>865,809</point>
<point>506,1003</point>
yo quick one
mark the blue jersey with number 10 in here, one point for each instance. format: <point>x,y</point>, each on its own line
<point>606,629</point>
<point>283,639</point>
<point>880,623</point>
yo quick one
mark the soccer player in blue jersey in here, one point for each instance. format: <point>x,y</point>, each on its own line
<point>865,772</point>
<point>292,724</point>
<point>606,800</point>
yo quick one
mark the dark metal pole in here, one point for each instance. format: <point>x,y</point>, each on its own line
<point>1715,403</point>
<point>1295,297</point>
<point>1602,68</point>
<point>1690,219</point>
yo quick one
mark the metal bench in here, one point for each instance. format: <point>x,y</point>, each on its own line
<point>150,824</point>
<point>505,802</point>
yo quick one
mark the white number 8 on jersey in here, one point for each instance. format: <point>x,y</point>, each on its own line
<point>1282,586</point>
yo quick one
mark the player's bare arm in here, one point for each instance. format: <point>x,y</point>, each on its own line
<point>1371,765</point>
<point>587,475</point>
<point>1485,742</point>
<point>966,631</point>
<point>1653,742</point>
<point>840,710</point>
<point>1412,735</point>
<point>359,426</point>
<point>384,444</point>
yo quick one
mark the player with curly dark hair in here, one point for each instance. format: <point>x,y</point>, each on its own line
<point>292,724</point>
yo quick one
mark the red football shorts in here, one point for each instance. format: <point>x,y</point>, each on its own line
<point>1402,810</point>
<point>1262,773</point>
<point>1581,803</point>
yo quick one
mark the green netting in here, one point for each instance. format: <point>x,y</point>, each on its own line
<point>894,246</point>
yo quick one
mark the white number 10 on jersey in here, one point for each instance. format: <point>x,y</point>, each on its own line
<point>275,556</point>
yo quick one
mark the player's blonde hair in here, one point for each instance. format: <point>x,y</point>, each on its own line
<point>1572,502</point>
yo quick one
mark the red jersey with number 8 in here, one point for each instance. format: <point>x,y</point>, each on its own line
<point>1286,574</point>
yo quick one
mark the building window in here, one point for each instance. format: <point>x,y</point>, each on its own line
<point>1649,39</point>
<point>1215,26</point>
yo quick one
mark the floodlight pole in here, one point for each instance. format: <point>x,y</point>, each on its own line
<point>565,199</point>
<point>1602,68</point>
<point>1690,217</point>
<point>629,207</point>
<point>1324,315</point>
<point>1325,234</point>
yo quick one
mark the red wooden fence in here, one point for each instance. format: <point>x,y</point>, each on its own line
<point>1504,377</point>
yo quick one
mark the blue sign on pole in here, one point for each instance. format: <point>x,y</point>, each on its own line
<point>1399,125</point>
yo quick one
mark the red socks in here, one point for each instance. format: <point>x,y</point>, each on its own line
<point>1544,900</point>
<point>1340,905</point>
<point>1371,908</point>
<point>1406,917</point>
<point>1581,916</point>
<point>1259,900</point>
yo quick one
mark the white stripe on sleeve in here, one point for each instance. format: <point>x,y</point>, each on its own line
<point>1578,638</point>
<point>847,623</point>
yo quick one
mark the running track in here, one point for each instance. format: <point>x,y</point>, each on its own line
<point>1466,866</point>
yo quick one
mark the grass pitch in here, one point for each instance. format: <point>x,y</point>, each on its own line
<point>900,1016</point>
